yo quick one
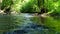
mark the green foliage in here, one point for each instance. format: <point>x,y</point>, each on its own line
<point>25,6</point>
<point>31,6</point>
<point>22,5</point>
<point>40,3</point>
<point>6,3</point>
<point>52,5</point>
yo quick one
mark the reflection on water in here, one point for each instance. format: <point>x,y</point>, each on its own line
<point>53,22</point>
<point>26,24</point>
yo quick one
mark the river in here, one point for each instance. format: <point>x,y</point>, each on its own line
<point>26,23</point>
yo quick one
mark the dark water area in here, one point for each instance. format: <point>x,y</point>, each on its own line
<point>27,24</point>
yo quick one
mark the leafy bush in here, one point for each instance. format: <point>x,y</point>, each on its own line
<point>52,6</point>
<point>22,5</point>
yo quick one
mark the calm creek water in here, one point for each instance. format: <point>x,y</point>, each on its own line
<point>25,24</point>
